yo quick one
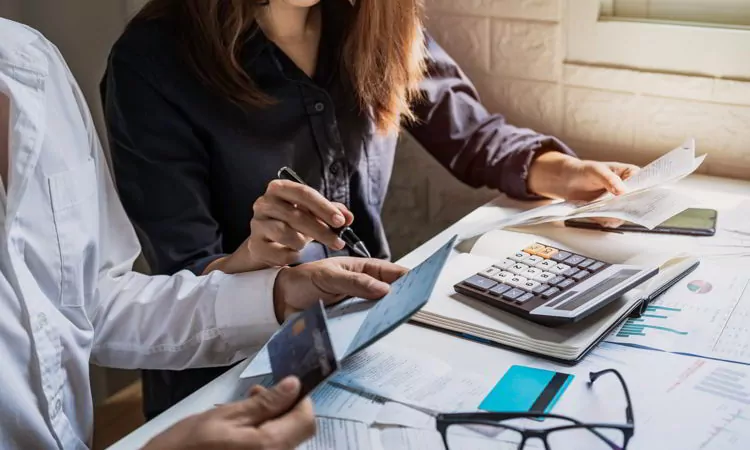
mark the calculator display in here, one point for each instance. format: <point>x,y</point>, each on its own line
<point>597,290</point>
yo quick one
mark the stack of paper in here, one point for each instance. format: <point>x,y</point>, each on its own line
<point>704,314</point>
<point>664,403</point>
<point>648,202</point>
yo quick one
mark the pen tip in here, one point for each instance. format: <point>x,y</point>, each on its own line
<point>360,248</point>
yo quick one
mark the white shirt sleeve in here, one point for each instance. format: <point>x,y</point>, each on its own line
<point>167,322</point>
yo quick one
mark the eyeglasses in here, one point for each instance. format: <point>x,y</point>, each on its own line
<point>499,431</point>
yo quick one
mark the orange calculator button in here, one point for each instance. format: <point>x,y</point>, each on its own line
<point>535,249</point>
<point>548,252</point>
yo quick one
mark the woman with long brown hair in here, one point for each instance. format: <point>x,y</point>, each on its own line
<point>207,99</point>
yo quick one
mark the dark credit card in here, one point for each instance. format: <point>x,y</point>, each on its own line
<point>303,348</point>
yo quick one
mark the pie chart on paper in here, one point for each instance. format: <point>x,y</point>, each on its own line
<point>699,287</point>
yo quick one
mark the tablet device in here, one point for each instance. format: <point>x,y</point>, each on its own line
<point>691,222</point>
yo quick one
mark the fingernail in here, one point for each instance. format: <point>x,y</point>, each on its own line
<point>338,220</point>
<point>381,287</point>
<point>340,244</point>
<point>288,385</point>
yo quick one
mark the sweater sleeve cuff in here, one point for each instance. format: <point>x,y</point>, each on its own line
<point>245,309</point>
<point>520,165</point>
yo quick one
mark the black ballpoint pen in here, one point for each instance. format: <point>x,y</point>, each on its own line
<point>345,233</point>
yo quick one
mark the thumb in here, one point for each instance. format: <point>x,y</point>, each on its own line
<point>357,284</point>
<point>609,179</point>
<point>266,404</point>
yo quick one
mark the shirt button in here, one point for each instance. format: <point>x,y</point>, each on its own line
<point>319,107</point>
<point>42,318</point>
<point>58,407</point>
<point>335,167</point>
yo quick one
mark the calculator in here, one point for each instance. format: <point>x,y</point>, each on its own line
<point>551,286</point>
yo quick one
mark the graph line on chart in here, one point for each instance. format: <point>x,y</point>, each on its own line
<point>649,321</point>
<point>726,383</point>
<point>726,431</point>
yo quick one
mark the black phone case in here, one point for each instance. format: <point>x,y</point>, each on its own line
<point>625,228</point>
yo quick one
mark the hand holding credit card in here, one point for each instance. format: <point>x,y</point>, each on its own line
<point>352,328</point>
<point>303,348</point>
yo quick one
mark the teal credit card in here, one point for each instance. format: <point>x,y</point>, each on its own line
<point>526,389</point>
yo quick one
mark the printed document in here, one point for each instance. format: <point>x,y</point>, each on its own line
<point>648,202</point>
<point>420,381</point>
<point>338,403</point>
<point>340,434</point>
<point>705,314</point>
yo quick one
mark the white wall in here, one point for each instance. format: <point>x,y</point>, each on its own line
<point>515,52</point>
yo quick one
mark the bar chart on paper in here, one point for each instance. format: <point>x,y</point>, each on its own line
<point>656,318</point>
<point>706,314</point>
<point>726,383</point>
<point>705,407</point>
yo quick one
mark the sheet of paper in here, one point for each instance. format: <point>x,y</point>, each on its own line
<point>415,439</point>
<point>337,403</point>
<point>398,414</point>
<point>735,221</point>
<point>357,323</point>
<point>706,407</point>
<point>688,403</point>
<point>647,208</point>
<point>634,206</point>
<point>340,435</point>
<point>673,166</point>
<point>705,314</point>
<point>417,380</point>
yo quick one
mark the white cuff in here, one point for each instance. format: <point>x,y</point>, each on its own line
<point>245,312</point>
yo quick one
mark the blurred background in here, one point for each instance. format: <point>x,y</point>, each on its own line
<point>616,79</point>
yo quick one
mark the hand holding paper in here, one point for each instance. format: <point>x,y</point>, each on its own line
<point>353,328</point>
<point>648,202</point>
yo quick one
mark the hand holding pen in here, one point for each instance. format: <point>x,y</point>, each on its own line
<point>287,217</point>
<point>343,231</point>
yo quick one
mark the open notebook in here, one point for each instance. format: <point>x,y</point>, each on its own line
<point>449,311</point>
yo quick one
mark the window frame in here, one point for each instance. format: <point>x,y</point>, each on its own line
<point>653,45</point>
<point>640,10</point>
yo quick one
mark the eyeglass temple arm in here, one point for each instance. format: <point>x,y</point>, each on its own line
<point>593,376</point>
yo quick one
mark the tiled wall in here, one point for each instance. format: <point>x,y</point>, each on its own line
<point>514,52</point>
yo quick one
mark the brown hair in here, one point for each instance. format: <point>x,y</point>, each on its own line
<point>382,53</point>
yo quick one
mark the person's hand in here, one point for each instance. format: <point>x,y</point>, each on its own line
<point>332,280</point>
<point>262,422</point>
<point>285,219</point>
<point>560,176</point>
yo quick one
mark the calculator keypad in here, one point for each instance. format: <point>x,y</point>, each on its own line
<point>520,256</point>
<point>504,264</point>
<point>530,276</point>
<point>513,294</point>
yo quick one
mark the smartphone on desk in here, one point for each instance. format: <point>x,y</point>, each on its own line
<point>691,222</point>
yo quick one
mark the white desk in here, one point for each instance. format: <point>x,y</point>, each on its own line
<point>709,192</point>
